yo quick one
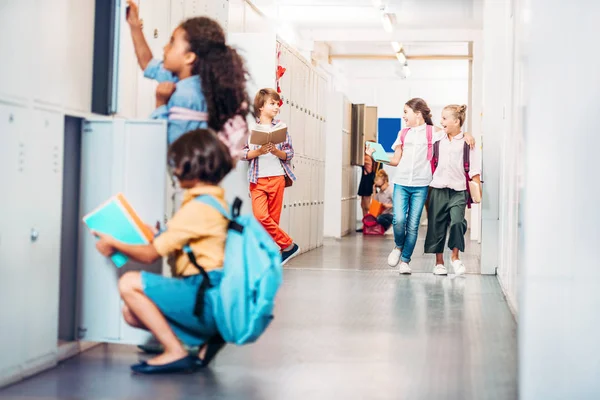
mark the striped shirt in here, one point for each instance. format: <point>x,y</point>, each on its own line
<point>286,147</point>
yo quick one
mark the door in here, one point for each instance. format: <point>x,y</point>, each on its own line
<point>117,156</point>
<point>13,237</point>
<point>43,168</point>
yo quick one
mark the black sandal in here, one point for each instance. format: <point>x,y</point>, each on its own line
<point>213,346</point>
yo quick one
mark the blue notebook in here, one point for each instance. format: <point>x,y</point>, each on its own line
<point>380,155</point>
<point>118,219</point>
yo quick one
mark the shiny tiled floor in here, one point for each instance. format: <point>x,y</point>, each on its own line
<point>347,327</point>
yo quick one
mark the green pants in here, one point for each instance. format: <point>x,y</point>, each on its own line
<point>446,209</point>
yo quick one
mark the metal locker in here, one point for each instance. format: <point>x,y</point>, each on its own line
<point>43,162</point>
<point>284,221</point>
<point>117,156</point>
<point>14,233</point>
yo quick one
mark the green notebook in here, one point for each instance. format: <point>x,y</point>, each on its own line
<point>380,155</point>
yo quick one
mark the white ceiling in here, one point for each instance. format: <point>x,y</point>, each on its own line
<point>412,14</point>
<point>355,27</point>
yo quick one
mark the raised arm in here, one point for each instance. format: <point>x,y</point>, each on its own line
<point>142,50</point>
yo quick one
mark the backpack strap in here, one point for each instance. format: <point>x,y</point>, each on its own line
<point>467,167</point>
<point>429,130</point>
<point>206,283</point>
<point>403,133</point>
<point>435,156</point>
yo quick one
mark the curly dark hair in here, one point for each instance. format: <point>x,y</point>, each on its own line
<point>200,154</point>
<point>221,70</point>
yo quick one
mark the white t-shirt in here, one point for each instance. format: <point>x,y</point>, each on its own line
<point>269,165</point>
<point>414,168</point>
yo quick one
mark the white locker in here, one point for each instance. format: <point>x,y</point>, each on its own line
<point>31,164</point>
<point>285,212</point>
<point>313,205</point>
<point>157,30</point>
<point>14,237</point>
<point>42,168</point>
<point>117,156</point>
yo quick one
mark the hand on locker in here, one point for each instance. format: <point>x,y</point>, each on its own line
<point>164,91</point>
<point>133,15</point>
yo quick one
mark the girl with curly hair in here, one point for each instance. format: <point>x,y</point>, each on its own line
<point>202,81</point>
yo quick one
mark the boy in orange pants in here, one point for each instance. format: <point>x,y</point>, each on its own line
<point>270,168</point>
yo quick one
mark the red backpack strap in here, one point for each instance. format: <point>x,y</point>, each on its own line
<point>403,133</point>
<point>435,157</point>
<point>467,166</point>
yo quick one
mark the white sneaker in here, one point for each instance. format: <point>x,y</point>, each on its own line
<point>394,257</point>
<point>404,269</point>
<point>459,267</point>
<point>440,269</point>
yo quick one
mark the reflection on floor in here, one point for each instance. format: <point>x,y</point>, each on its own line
<point>346,327</point>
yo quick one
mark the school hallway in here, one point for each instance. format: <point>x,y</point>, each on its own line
<point>346,326</point>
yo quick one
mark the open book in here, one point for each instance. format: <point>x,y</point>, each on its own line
<point>118,219</point>
<point>274,134</point>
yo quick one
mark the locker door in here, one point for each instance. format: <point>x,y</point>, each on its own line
<point>43,165</point>
<point>312,205</point>
<point>298,116</point>
<point>117,156</point>
<point>14,236</point>
<point>306,205</point>
<point>292,193</point>
<point>285,212</point>
<point>155,14</point>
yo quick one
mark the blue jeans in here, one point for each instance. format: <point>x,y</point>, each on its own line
<point>408,207</point>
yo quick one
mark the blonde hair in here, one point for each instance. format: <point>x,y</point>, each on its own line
<point>458,112</point>
<point>382,174</point>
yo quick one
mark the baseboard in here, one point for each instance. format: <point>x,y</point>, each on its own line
<point>512,305</point>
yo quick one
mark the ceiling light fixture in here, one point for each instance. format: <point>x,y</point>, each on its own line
<point>401,57</point>
<point>397,47</point>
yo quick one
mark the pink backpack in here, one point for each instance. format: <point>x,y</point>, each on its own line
<point>429,131</point>
<point>234,133</point>
<point>371,226</point>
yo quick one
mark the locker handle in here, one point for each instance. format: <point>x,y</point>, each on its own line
<point>34,235</point>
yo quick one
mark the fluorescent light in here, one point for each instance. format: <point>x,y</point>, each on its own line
<point>396,46</point>
<point>401,57</point>
<point>406,71</point>
<point>378,3</point>
<point>387,23</point>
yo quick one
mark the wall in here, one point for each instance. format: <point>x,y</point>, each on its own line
<point>559,298</point>
<point>47,49</point>
<point>502,132</point>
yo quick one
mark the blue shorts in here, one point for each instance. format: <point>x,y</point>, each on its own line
<point>176,297</point>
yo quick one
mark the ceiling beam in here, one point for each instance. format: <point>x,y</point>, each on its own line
<point>431,57</point>
<point>401,35</point>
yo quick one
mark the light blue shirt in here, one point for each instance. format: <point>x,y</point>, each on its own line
<point>188,94</point>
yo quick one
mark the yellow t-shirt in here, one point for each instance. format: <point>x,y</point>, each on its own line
<point>199,225</point>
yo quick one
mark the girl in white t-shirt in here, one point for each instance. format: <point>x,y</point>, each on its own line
<point>413,150</point>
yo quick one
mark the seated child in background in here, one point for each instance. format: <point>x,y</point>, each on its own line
<point>384,195</point>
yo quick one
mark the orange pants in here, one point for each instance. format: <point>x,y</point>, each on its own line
<point>267,200</point>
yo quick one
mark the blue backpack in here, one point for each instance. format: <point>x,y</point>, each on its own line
<point>252,274</point>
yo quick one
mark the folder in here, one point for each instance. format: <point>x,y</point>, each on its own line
<point>118,219</point>
<point>380,155</point>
